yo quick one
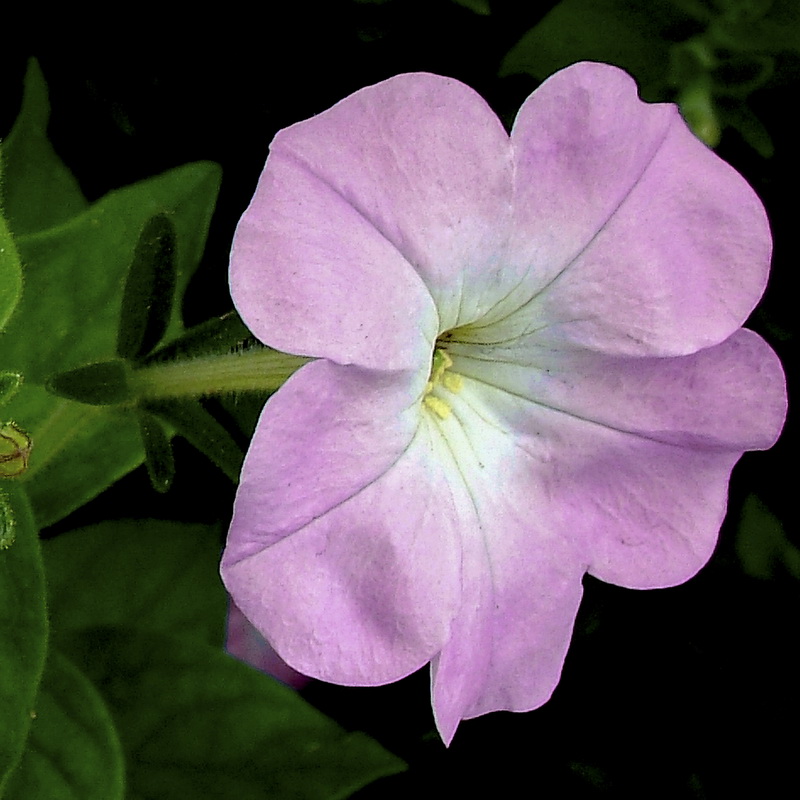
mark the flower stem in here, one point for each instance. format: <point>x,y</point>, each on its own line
<point>257,370</point>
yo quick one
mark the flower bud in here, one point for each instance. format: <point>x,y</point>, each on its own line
<point>15,447</point>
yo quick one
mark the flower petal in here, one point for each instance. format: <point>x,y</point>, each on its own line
<point>731,396</point>
<point>326,435</point>
<point>423,167</point>
<point>637,238</point>
<point>365,593</point>
<point>641,513</point>
<point>642,448</point>
<point>510,640</point>
<point>306,268</point>
<point>644,528</point>
<point>244,642</point>
<point>521,575</point>
<point>555,496</point>
<point>654,515</point>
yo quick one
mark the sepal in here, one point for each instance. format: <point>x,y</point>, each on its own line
<point>101,384</point>
<point>149,289</point>
<point>158,455</point>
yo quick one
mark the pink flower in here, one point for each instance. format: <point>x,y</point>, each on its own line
<point>530,366</point>
<point>244,642</point>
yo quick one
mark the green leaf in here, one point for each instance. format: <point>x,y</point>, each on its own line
<point>762,545</point>
<point>8,523</point>
<point>772,27</point>
<point>740,76</point>
<point>23,630</point>
<point>158,574</point>
<point>478,6</point>
<point>698,9</point>
<point>78,450</point>
<point>9,384</point>
<point>75,273</point>
<point>195,722</point>
<point>73,751</point>
<point>68,317</point>
<point>750,128</point>
<point>149,290</point>
<point>39,191</point>
<point>632,34</point>
<point>10,267</point>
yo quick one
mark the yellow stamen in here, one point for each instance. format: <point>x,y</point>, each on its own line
<point>441,377</point>
<point>438,406</point>
<point>452,381</point>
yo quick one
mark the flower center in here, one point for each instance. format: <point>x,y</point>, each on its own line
<point>441,382</point>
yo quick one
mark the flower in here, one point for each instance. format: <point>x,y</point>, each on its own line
<point>244,642</point>
<point>529,366</point>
